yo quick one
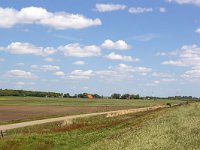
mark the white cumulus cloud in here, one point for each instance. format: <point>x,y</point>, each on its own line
<point>122,71</point>
<point>114,56</point>
<point>119,45</point>
<point>38,15</point>
<point>146,37</point>
<point>49,68</point>
<point>194,2</point>
<point>76,50</point>
<point>80,74</point>
<point>127,68</point>
<point>174,63</point>
<point>79,63</point>
<point>162,9</point>
<point>27,48</point>
<point>59,73</point>
<point>109,7</point>
<point>49,59</point>
<point>197,30</point>
<point>20,74</point>
<point>187,56</point>
<point>45,68</point>
<point>20,83</point>
<point>139,10</point>
<point>192,74</point>
<point>162,75</point>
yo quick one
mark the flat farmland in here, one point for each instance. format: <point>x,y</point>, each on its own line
<point>25,113</point>
<point>175,128</point>
<point>17,109</point>
<point>34,101</point>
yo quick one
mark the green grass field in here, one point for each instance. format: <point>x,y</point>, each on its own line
<point>34,101</point>
<point>175,128</point>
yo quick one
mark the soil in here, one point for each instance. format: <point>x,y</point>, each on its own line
<point>113,113</point>
<point>14,113</point>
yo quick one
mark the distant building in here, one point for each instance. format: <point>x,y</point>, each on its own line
<point>89,96</point>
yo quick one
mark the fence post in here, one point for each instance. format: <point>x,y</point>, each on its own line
<point>3,133</point>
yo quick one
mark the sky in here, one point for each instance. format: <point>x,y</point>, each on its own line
<point>146,47</point>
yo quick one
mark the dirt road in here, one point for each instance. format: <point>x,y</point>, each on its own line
<point>65,118</point>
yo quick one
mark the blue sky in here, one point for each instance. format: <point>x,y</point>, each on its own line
<point>148,47</point>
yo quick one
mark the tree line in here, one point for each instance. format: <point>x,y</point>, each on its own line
<point>124,96</point>
<point>81,95</point>
<point>24,93</point>
<point>113,96</point>
<point>8,92</point>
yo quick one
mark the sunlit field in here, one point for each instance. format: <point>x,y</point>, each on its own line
<point>19,109</point>
<point>174,128</point>
<point>34,101</point>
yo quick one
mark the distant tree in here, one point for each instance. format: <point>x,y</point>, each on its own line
<point>115,96</point>
<point>132,96</point>
<point>75,96</point>
<point>96,96</point>
<point>67,95</point>
<point>125,96</point>
<point>82,95</point>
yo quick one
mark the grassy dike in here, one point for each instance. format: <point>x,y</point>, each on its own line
<point>175,128</point>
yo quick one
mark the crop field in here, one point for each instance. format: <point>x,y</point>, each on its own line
<point>17,109</point>
<point>174,128</point>
<point>34,101</point>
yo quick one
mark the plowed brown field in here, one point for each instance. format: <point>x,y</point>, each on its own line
<point>14,113</point>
